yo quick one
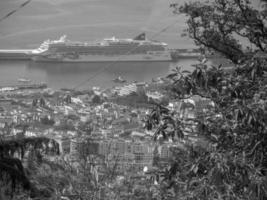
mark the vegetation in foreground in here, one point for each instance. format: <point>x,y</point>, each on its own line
<point>233,165</point>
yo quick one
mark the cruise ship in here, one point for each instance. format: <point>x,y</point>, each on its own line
<point>110,49</point>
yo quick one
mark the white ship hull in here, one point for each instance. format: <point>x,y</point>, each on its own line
<point>101,58</point>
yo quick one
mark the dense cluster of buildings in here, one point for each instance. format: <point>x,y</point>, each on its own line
<point>104,129</point>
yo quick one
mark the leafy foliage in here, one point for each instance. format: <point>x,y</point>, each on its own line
<point>215,25</point>
<point>234,167</point>
<point>13,151</point>
<point>231,163</point>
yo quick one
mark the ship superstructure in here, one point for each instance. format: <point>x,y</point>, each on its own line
<point>110,49</point>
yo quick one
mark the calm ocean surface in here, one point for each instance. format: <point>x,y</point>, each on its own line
<point>69,75</point>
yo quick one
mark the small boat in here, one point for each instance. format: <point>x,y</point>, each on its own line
<point>24,80</point>
<point>119,80</point>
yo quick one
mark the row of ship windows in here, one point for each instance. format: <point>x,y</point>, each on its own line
<point>138,50</point>
<point>101,44</point>
<point>107,47</point>
<point>100,53</point>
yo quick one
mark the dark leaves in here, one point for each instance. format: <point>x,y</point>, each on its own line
<point>232,134</point>
<point>10,147</point>
<point>11,170</point>
<point>228,159</point>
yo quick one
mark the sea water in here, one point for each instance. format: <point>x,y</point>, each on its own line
<point>88,75</point>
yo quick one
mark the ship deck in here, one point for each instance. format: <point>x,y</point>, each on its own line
<point>26,51</point>
<point>15,54</point>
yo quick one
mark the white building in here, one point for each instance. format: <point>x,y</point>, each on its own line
<point>127,89</point>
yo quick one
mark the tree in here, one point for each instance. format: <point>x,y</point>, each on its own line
<point>52,179</point>
<point>45,120</point>
<point>96,99</point>
<point>229,160</point>
<point>34,102</point>
<point>67,99</point>
<point>12,171</point>
<point>86,177</point>
<point>216,25</point>
<point>42,102</point>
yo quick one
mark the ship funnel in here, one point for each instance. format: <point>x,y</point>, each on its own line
<point>142,36</point>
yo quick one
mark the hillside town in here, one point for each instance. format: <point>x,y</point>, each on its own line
<point>99,121</point>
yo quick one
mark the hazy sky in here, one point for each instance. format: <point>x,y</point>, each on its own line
<point>88,20</point>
